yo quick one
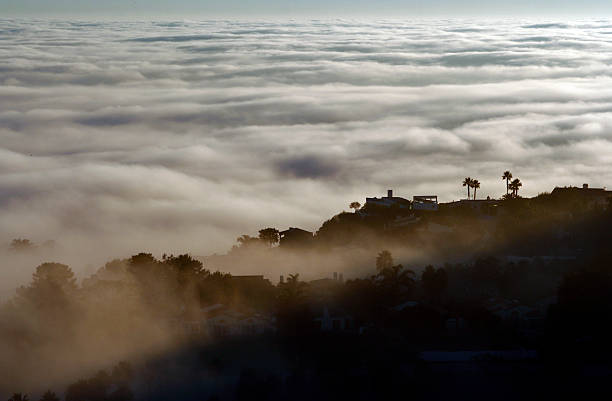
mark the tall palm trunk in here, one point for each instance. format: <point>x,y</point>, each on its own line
<point>468,191</point>
<point>507,185</point>
<point>474,193</point>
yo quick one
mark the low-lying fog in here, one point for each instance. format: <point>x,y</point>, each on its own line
<point>180,136</point>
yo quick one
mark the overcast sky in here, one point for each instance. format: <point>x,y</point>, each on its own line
<point>304,8</point>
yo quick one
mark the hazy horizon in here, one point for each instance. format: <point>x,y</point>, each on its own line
<point>305,9</point>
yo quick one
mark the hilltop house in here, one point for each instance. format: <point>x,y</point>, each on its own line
<point>591,197</point>
<point>425,202</point>
<point>481,206</point>
<point>388,201</point>
<point>294,237</point>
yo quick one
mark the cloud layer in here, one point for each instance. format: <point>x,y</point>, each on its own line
<point>174,136</point>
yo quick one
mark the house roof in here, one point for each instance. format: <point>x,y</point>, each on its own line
<point>592,192</point>
<point>295,230</point>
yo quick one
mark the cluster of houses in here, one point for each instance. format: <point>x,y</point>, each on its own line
<point>223,321</point>
<point>590,196</point>
<point>409,211</point>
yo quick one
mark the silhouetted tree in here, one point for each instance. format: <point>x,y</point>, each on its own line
<point>103,387</point>
<point>54,273</point>
<point>142,265</point>
<point>475,185</point>
<point>384,260</point>
<point>52,287</point>
<point>121,393</point>
<point>434,281</point>
<point>49,396</point>
<point>507,176</point>
<point>515,185</point>
<point>185,264</point>
<point>293,314</point>
<point>19,397</point>
<point>292,290</point>
<point>122,372</point>
<point>270,236</point>
<point>246,241</point>
<point>467,182</point>
<point>395,281</point>
<point>20,245</point>
<point>355,206</point>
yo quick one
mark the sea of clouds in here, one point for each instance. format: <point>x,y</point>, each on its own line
<point>180,136</point>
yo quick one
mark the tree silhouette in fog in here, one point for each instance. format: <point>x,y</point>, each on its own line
<point>292,290</point>
<point>270,236</point>
<point>49,396</point>
<point>21,245</point>
<point>19,397</point>
<point>434,282</point>
<point>293,313</point>
<point>384,260</point>
<point>507,176</point>
<point>394,280</point>
<point>355,206</point>
<point>54,273</point>
<point>103,387</point>
<point>52,287</point>
<point>245,241</point>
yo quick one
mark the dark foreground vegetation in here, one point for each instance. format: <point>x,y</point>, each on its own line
<point>522,309</point>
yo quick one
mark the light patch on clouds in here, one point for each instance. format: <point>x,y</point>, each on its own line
<point>171,137</point>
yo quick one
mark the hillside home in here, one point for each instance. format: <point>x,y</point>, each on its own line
<point>486,207</point>
<point>425,202</point>
<point>388,201</point>
<point>295,237</point>
<point>599,197</point>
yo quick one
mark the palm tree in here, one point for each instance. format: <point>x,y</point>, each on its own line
<point>507,176</point>
<point>467,182</point>
<point>384,260</point>
<point>475,185</point>
<point>515,185</point>
<point>395,280</point>
<point>292,290</point>
<point>355,205</point>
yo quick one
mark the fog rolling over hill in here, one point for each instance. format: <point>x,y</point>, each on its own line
<point>180,136</point>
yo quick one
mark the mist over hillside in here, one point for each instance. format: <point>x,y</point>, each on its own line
<point>179,136</point>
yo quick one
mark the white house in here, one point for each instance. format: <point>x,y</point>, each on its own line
<point>425,202</point>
